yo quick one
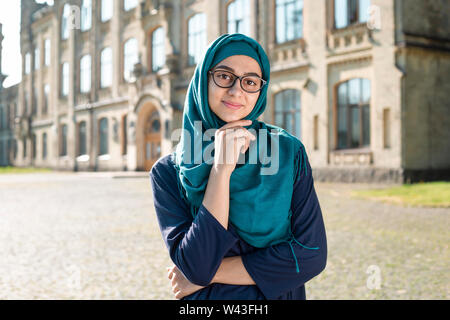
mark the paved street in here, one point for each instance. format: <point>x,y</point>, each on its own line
<point>90,236</point>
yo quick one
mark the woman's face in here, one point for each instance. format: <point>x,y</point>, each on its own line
<point>231,104</point>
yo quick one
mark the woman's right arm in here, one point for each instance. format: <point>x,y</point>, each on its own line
<point>228,145</point>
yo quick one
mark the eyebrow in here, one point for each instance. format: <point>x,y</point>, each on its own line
<point>231,69</point>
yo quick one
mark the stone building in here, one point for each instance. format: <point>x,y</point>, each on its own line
<point>363,83</point>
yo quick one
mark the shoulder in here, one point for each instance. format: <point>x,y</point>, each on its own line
<point>163,168</point>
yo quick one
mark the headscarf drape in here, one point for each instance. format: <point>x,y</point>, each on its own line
<point>261,190</point>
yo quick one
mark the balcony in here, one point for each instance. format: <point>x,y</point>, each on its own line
<point>353,38</point>
<point>288,55</point>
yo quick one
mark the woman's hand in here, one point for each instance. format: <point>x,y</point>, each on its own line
<point>231,140</point>
<point>181,286</point>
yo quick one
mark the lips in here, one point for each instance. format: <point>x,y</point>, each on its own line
<point>231,105</point>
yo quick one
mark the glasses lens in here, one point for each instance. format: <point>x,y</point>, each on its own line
<point>251,83</point>
<point>223,78</point>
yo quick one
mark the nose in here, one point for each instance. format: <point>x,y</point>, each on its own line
<point>236,88</point>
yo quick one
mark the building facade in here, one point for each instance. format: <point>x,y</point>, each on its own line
<point>363,83</point>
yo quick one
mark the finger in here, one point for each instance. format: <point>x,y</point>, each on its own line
<point>245,147</point>
<point>239,132</point>
<point>236,124</point>
<point>178,295</point>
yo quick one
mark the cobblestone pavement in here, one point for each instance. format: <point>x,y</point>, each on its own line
<point>89,236</point>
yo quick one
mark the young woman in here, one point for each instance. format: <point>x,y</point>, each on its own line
<point>236,228</point>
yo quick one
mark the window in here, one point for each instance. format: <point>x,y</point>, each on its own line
<point>25,104</point>
<point>63,140</point>
<point>82,138</point>
<point>316,132</point>
<point>46,96</point>
<point>47,53</point>
<point>103,134</point>
<point>33,146</point>
<point>34,101</point>
<point>65,22</point>
<point>86,15</point>
<point>27,63</point>
<point>288,111</point>
<point>353,114</point>
<point>36,58</point>
<point>130,58</point>
<point>85,74</point>
<point>1,118</point>
<point>386,128</point>
<point>129,4</point>
<point>196,38</point>
<point>158,49</point>
<point>24,150</point>
<point>44,146</point>
<point>347,12</point>
<point>124,135</point>
<point>239,17</point>
<point>65,79</point>
<point>289,20</point>
<point>107,10</point>
<point>106,67</point>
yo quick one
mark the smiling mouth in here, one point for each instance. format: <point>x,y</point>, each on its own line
<point>232,106</point>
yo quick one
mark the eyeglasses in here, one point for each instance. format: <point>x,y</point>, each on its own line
<point>226,79</point>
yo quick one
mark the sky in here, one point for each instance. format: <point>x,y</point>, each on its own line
<point>11,57</point>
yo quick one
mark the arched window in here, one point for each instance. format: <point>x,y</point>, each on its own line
<point>106,67</point>
<point>158,49</point>
<point>106,10</point>
<point>288,111</point>
<point>44,146</point>
<point>85,74</point>
<point>129,4</point>
<point>86,15</point>
<point>289,20</point>
<point>82,149</point>
<point>65,79</point>
<point>103,134</point>
<point>63,140</point>
<point>130,57</point>
<point>238,13</point>
<point>353,114</point>
<point>33,146</point>
<point>27,63</point>
<point>65,22</point>
<point>196,38</point>
<point>46,97</point>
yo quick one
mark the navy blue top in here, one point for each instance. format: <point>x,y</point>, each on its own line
<point>198,245</point>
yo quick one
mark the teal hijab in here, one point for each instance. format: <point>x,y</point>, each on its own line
<point>261,190</point>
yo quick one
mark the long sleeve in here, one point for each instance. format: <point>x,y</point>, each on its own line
<point>274,269</point>
<point>196,245</point>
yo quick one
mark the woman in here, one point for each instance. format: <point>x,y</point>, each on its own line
<point>235,228</point>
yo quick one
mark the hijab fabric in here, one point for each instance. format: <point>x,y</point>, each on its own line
<point>259,203</point>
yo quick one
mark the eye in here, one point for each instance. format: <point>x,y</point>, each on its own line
<point>250,82</point>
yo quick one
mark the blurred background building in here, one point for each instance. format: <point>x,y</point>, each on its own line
<point>363,83</point>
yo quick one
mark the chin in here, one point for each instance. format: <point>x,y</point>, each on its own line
<point>230,118</point>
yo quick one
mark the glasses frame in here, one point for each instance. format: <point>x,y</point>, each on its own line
<point>211,72</point>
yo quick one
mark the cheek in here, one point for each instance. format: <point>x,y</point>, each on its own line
<point>252,100</point>
<point>212,96</point>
